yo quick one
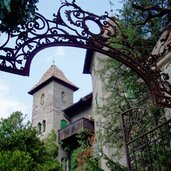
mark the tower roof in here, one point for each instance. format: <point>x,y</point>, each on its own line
<point>53,74</point>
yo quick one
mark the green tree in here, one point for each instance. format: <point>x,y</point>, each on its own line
<point>144,21</point>
<point>21,149</point>
<point>125,91</point>
<point>15,13</point>
<point>141,21</point>
<point>145,13</point>
<point>82,157</point>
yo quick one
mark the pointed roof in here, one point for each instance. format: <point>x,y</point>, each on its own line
<point>53,74</point>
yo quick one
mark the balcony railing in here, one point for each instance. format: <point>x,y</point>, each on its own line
<point>75,127</point>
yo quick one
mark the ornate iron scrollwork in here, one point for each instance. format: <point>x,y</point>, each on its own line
<point>70,26</point>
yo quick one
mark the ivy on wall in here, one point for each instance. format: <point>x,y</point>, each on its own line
<point>124,90</point>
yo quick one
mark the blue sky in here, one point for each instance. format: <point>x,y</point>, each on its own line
<point>70,60</point>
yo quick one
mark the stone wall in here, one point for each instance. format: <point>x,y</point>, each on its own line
<point>99,95</point>
<point>50,107</point>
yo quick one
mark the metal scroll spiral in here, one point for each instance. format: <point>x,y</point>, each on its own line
<point>17,46</point>
<point>76,20</point>
<point>70,24</point>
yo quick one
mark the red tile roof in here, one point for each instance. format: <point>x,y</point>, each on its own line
<point>53,73</point>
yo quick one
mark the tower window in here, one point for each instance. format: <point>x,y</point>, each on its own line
<point>42,99</point>
<point>63,96</point>
<point>44,125</point>
<point>39,125</point>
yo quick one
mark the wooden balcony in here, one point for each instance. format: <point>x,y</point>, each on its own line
<point>75,127</point>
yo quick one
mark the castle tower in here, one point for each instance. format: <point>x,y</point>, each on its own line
<point>51,95</point>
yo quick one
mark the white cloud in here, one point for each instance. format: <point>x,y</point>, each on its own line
<point>9,104</point>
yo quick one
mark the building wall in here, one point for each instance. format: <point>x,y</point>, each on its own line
<point>51,108</point>
<point>43,110</point>
<point>162,48</point>
<point>85,112</point>
<point>99,95</point>
<point>60,103</point>
<point>56,98</point>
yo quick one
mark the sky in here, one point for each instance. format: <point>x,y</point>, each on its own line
<point>14,88</point>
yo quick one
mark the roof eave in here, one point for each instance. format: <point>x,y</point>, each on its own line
<point>83,101</point>
<point>74,88</point>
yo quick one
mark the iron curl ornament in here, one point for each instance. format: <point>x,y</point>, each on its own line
<point>72,26</point>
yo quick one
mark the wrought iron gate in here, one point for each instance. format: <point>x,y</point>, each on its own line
<point>71,26</point>
<point>147,139</point>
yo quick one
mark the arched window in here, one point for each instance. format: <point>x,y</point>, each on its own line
<point>63,123</point>
<point>63,96</point>
<point>42,99</point>
<point>39,125</point>
<point>44,125</point>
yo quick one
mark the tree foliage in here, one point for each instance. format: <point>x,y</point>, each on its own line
<point>124,90</point>
<point>15,13</point>
<point>82,157</point>
<point>145,20</point>
<point>20,148</point>
<point>148,16</point>
<point>141,21</point>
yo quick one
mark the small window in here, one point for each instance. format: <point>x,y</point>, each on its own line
<point>39,125</point>
<point>44,126</point>
<point>63,96</point>
<point>63,123</point>
<point>42,99</point>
